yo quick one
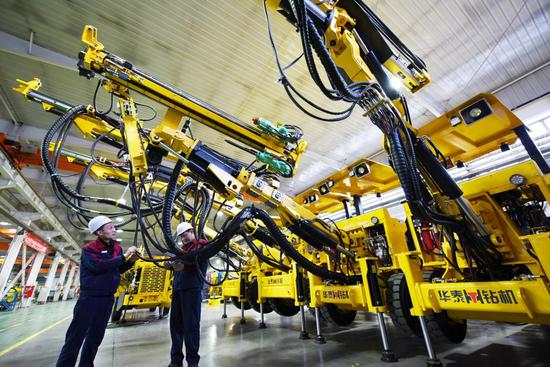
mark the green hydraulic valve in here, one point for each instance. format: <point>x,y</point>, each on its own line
<point>274,163</point>
<point>281,132</point>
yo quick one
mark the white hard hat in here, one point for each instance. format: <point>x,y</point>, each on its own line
<point>98,222</point>
<point>183,227</point>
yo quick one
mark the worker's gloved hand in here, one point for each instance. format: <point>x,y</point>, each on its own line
<point>131,253</point>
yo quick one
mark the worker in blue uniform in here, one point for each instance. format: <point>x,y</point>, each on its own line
<point>185,312</point>
<point>101,264</point>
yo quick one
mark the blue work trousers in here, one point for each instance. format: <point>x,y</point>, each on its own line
<point>90,318</point>
<point>185,324</point>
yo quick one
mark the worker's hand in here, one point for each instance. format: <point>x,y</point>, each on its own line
<point>134,256</point>
<point>131,251</point>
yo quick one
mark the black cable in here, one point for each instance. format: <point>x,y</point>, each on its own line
<point>262,257</point>
<point>64,193</point>
<point>151,108</point>
<point>216,216</point>
<point>290,251</point>
<point>95,97</point>
<point>289,88</point>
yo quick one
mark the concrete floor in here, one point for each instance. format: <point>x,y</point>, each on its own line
<point>226,343</point>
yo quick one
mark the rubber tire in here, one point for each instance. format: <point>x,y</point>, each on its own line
<point>283,306</point>
<point>165,311</point>
<point>336,316</point>
<point>440,326</point>
<point>152,309</point>
<point>252,298</point>
<point>235,301</point>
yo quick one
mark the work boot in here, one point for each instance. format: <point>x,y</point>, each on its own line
<point>175,365</point>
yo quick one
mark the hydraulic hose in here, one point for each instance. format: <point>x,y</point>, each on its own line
<point>169,197</point>
<point>63,122</point>
<point>262,257</point>
<point>263,236</point>
<point>291,252</point>
<point>401,167</point>
<point>215,245</point>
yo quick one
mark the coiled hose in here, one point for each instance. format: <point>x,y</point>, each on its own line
<point>61,122</point>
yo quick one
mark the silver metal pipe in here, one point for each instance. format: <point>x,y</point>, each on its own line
<point>31,42</point>
<point>303,315</point>
<point>262,312</point>
<point>382,327</point>
<point>176,154</point>
<point>520,77</point>
<point>427,341</point>
<point>347,252</point>
<point>472,217</point>
<point>317,321</point>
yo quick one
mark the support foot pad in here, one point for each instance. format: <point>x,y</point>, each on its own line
<point>319,339</point>
<point>434,362</point>
<point>388,356</point>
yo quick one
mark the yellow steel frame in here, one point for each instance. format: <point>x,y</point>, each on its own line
<point>231,288</point>
<point>530,297</point>
<point>327,195</point>
<point>459,141</point>
<point>521,300</point>
<point>95,59</point>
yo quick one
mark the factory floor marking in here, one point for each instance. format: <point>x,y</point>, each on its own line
<point>27,339</point>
